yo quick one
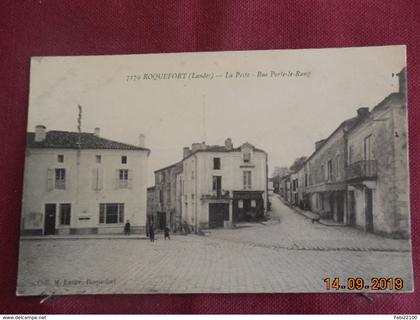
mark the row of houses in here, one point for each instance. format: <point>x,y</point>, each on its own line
<point>212,186</point>
<point>82,183</point>
<point>358,175</point>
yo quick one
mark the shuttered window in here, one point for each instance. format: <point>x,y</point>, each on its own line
<point>60,178</point>
<point>124,178</point>
<point>56,179</point>
<point>97,179</point>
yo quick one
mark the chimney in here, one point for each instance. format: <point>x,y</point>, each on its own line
<point>40,133</point>
<point>362,112</point>
<point>195,147</point>
<point>228,144</point>
<point>142,140</point>
<point>97,132</point>
<point>186,152</point>
<point>318,144</point>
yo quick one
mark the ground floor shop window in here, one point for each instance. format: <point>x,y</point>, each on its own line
<point>111,213</point>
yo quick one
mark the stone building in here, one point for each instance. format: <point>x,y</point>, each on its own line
<point>79,183</point>
<point>359,174</point>
<point>166,212</point>
<point>285,188</point>
<point>326,187</point>
<point>151,207</point>
<point>294,187</point>
<point>377,171</point>
<point>222,185</point>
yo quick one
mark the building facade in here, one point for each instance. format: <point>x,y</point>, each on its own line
<point>377,171</point>
<point>325,171</point>
<point>223,185</point>
<point>359,175</point>
<point>81,183</point>
<point>285,188</point>
<point>151,208</point>
<point>166,210</point>
<point>215,186</point>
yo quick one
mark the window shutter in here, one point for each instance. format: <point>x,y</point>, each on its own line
<point>95,179</point>
<point>130,179</point>
<point>100,179</point>
<point>50,179</point>
<point>117,179</point>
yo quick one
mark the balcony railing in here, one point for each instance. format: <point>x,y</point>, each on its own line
<point>222,194</point>
<point>362,170</point>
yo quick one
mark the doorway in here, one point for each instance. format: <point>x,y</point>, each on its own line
<point>352,211</point>
<point>340,207</point>
<point>161,220</point>
<point>49,222</point>
<point>369,210</point>
<point>218,214</point>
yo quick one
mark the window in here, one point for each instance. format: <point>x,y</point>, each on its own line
<point>367,148</point>
<point>240,204</point>
<point>253,203</point>
<point>60,178</point>
<point>337,166</point>
<point>216,163</point>
<point>217,185</point>
<point>124,159</point>
<point>60,158</point>
<point>247,156</point>
<point>322,173</point>
<point>111,213</point>
<point>247,175</point>
<point>158,176</point>
<point>98,158</point>
<point>306,179</point>
<point>65,214</point>
<point>123,178</point>
<point>330,170</point>
<point>161,197</point>
<point>350,154</point>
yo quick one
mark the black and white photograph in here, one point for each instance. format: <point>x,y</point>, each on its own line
<point>267,171</point>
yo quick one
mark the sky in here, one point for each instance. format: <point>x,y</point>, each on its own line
<point>304,97</point>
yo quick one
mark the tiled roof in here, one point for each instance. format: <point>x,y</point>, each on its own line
<point>69,140</point>
<point>346,125</point>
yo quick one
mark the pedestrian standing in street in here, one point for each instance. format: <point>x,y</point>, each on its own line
<point>166,231</point>
<point>151,233</point>
<point>127,228</point>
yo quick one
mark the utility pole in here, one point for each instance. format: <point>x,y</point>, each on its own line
<point>204,118</point>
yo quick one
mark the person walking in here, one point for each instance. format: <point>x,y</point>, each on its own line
<point>151,233</point>
<point>127,228</point>
<point>166,232</point>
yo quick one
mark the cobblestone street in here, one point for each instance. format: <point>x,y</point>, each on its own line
<point>288,253</point>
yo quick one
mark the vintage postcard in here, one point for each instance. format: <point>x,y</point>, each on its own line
<point>217,172</point>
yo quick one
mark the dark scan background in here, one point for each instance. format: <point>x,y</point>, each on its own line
<point>78,27</point>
